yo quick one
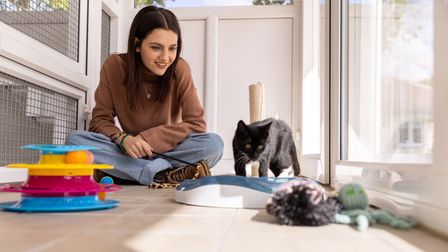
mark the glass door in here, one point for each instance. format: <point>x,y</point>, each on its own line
<point>388,90</point>
<point>383,119</point>
<point>315,91</point>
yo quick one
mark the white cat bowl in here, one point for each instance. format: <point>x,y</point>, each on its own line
<point>228,191</point>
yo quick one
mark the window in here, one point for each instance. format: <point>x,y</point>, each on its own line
<point>389,71</point>
<point>31,114</point>
<point>54,23</point>
<point>388,120</point>
<point>105,36</point>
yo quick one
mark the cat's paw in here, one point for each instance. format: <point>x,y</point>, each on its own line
<point>287,173</point>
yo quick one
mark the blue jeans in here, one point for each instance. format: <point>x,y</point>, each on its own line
<point>196,147</point>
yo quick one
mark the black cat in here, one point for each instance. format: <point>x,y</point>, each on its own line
<point>269,142</point>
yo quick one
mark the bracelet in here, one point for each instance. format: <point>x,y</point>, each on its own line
<point>118,135</point>
<point>122,143</point>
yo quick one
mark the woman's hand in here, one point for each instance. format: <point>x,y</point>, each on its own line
<point>136,147</point>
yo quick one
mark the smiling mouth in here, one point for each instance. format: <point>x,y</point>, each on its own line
<point>161,65</point>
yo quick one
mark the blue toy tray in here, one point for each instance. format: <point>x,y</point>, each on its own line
<point>56,149</point>
<point>58,204</point>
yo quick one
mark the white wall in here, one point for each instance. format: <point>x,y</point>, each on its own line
<point>262,51</point>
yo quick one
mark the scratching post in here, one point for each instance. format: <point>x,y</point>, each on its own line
<point>255,165</point>
<point>256,102</point>
<point>257,110</point>
<point>252,169</point>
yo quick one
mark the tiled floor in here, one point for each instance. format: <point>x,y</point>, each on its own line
<point>150,220</point>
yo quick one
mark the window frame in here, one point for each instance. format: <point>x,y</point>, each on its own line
<point>21,48</point>
<point>418,192</point>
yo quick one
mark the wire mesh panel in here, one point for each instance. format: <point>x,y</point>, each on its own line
<point>105,36</point>
<point>52,22</point>
<point>30,114</point>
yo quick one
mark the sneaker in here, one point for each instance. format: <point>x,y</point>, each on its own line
<point>177,175</point>
<point>172,177</point>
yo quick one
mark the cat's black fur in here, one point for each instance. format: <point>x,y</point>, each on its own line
<point>269,142</point>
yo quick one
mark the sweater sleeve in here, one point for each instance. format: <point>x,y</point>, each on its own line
<point>164,138</point>
<point>104,112</point>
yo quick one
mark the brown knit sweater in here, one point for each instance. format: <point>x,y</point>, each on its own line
<point>162,125</point>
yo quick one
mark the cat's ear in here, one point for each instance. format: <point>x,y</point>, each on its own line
<point>241,125</point>
<point>265,129</point>
<point>241,129</point>
<point>267,126</point>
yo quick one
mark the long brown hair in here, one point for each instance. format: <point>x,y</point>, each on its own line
<point>146,20</point>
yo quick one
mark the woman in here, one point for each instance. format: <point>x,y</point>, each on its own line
<point>150,91</point>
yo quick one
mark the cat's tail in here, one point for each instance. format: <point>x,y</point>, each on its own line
<point>295,160</point>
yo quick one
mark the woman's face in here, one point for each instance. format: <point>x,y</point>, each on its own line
<point>158,50</point>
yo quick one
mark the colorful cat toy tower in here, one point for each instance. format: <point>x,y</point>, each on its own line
<point>62,181</point>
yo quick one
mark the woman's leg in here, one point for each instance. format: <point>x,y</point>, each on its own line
<point>125,167</point>
<point>196,147</point>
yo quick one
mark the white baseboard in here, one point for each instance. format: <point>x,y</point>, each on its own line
<point>431,216</point>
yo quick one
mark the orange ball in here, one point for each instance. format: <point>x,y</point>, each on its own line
<point>102,196</point>
<point>79,157</point>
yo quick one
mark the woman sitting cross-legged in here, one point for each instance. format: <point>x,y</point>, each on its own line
<point>150,90</point>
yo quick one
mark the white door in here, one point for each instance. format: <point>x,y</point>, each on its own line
<point>229,48</point>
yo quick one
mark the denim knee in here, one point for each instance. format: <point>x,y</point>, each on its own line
<point>213,149</point>
<point>75,137</point>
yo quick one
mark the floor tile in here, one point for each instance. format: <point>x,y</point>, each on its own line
<point>150,220</point>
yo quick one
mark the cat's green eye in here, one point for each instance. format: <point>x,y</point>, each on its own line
<point>247,146</point>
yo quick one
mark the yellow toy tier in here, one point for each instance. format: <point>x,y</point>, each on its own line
<point>62,160</point>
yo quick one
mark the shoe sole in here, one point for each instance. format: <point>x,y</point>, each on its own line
<point>156,185</point>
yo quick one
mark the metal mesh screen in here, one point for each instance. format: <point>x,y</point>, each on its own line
<point>30,114</point>
<point>52,22</point>
<point>105,36</point>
